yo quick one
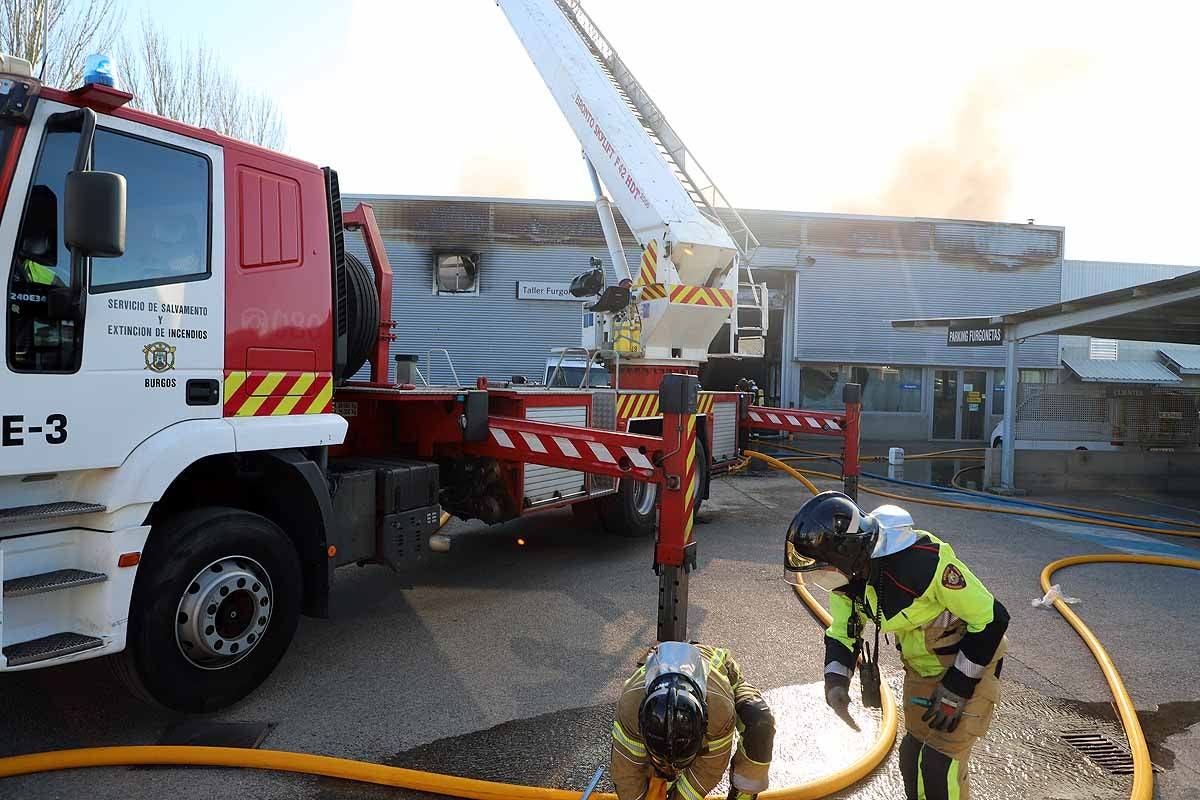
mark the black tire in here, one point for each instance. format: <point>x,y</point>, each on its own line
<point>183,550</point>
<point>632,514</point>
<point>362,311</point>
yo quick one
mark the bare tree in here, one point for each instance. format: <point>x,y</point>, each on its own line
<point>74,28</point>
<point>185,83</point>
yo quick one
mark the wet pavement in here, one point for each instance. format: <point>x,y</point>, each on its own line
<point>502,661</point>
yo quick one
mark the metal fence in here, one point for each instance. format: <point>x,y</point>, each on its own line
<point>1133,415</point>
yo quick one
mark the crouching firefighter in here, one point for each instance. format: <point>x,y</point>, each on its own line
<point>947,626</point>
<point>677,719</point>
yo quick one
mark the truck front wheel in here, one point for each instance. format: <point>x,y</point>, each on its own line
<point>215,604</point>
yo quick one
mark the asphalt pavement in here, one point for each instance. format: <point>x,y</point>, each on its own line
<point>502,660</point>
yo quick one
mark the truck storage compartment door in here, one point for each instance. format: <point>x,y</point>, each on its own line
<point>545,485</point>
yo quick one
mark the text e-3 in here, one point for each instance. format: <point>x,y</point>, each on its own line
<point>14,431</point>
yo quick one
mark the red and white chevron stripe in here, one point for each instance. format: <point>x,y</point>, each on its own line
<point>585,449</point>
<point>782,419</point>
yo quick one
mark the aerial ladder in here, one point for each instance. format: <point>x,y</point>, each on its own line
<point>693,279</point>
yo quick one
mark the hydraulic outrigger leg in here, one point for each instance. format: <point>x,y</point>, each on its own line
<point>675,550</point>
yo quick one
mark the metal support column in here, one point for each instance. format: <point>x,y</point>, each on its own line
<point>675,551</point>
<point>1008,440</point>
<point>852,397</point>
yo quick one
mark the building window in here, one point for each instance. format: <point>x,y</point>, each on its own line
<point>456,273</point>
<point>884,389</point>
<point>1029,377</point>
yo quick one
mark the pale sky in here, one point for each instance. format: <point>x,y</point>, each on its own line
<point>1080,115</point>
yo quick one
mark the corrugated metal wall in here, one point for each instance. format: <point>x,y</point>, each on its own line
<point>491,333</point>
<point>1084,278</point>
<point>857,274</point>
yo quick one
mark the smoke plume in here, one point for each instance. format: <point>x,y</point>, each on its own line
<point>489,175</point>
<point>967,173</point>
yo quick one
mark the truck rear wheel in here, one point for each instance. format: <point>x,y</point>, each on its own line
<point>631,511</point>
<point>215,605</point>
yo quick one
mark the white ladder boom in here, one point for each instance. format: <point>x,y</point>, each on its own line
<point>752,326</point>
<point>700,187</point>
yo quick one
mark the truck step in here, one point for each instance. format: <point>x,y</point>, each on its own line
<point>48,647</point>
<point>47,511</point>
<point>51,582</point>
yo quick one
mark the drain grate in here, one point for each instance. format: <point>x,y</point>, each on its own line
<point>1114,758</point>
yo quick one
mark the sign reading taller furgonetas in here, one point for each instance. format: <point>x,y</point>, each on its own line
<point>975,335</point>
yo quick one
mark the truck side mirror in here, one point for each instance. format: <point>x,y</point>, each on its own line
<point>94,213</point>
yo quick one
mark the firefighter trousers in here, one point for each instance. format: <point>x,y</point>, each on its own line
<point>934,764</point>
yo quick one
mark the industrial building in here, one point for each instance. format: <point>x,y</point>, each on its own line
<point>485,280</point>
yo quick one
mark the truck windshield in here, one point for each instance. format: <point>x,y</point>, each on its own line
<point>572,376</point>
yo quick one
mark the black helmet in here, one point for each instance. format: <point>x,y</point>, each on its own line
<point>830,530</point>
<point>673,720</point>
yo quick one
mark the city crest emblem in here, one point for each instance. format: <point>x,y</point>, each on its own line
<point>160,356</point>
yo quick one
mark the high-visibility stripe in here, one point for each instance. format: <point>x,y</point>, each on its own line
<point>952,780</point>
<point>717,744</point>
<point>637,458</point>
<point>648,271</point>
<point>302,384</point>
<point>286,405</point>
<point>700,296</point>
<point>687,789</point>
<point>718,658</point>
<point>635,748</point>
<point>533,442</point>
<point>655,291</point>
<point>501,438</point>
<point>566,447</point>
<point>601,452</point>
<point>233,382</point>
<point>267,385</point>
<point>251,406</point>
<point>650,409</point>
<point>321,404</point>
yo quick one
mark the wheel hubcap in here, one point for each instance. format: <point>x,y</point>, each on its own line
<point>643,498</point>
<point>224,612</point>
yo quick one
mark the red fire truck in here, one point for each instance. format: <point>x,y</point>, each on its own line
<point>185,458</point>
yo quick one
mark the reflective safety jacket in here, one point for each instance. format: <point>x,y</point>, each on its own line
<point>37,273</point>
<point>728,697</point>
<point>934,606</point>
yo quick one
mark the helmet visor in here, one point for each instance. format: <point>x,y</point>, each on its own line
<point>680,658</point>
<point>795,561</point>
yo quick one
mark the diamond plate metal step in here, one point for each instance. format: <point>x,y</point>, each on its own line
<point>48,647</point>
<point>51,582</point>
<point>47,511</point>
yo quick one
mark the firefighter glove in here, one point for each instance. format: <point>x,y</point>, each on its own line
<point>738,794</point>
<point>837,697</point>
<point>945,709</point>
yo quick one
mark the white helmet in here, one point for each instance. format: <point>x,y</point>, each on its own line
<point>895,530</point>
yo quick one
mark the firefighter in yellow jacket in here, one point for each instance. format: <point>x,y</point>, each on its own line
<point>678,718</point>
<point>947,625</point>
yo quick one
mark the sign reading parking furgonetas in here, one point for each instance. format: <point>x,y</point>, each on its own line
<point>967,335</point>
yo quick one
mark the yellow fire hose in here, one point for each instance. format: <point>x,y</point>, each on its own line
<point>1147,518</point>
<point>1020,512</point>
<point>346,769</point>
